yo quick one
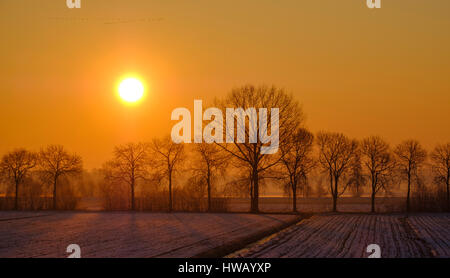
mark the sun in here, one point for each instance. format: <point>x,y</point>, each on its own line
<point>131,90</point>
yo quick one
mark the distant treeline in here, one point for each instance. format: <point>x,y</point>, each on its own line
<point>164,176</point>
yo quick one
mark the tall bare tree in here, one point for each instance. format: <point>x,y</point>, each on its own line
<point>55,162</point>
<point>167,158</point>
<point>297,161</point>
<point>15,166</point>
<point>211,161</point>
<point>336,152</point>
<point>290,117</point>
<point>130,164</point>
<point>379,163</point>
<point>410,157</point>
<point>441,166</point>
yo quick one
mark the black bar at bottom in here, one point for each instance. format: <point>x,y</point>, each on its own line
<point>227,267</point>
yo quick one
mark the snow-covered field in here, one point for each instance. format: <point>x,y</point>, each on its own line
<point>348,235</point>
<point>125,234</point>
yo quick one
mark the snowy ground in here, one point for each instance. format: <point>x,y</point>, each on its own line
<point>348,235</point>
<point>124,234</point>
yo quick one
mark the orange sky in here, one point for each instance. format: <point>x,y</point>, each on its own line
<point>355,70</point>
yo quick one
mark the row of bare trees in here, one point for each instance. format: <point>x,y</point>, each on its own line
<point>153,161</point>
<point>347,163</point>
<point>164,156</point>
<point>159,161</point>
<point>50,164</point>
<point>373,160</point>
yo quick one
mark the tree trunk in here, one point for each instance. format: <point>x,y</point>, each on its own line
<point>374,188</point>
<point>334,203</point>
<point>373,201</point>
<point>408,193</point>
<point>294,198</point>
<point>54,192</point>
<point>335,194</point>
<point>170,192</point>
<point>209,189</point>
<point>332,191</point>
<point>132,195</point>
<point>448,192</point>
<point>16,201</point>
<point>251,189</point>
<point>255,197</point>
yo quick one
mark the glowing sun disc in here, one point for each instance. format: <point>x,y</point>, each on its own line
<point>131,90</point>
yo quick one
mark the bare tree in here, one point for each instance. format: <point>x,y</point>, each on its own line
<point>356,178</point>
<point>167,159</point>
<point>251,99</point>
<point>297,161</point>
<point>336,152</point>
<point>130,164</point>
<point>55,162</point>
<point>15,166</point>
<point>211,161</point>
<point>410,157</point>
<point>441,166</point>
<point>379,163</point>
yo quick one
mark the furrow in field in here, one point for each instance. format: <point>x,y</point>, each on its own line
<point>434,231</point>
<point>348,235</point>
